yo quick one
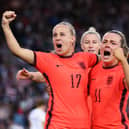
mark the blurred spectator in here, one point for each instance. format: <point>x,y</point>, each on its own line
<point>33,28</point>
<point>14,125</point>
<point>37,115</point>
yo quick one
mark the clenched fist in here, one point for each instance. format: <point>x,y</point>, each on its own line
<point>7,17</point>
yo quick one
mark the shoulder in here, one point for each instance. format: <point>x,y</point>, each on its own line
<point>119,70</point>
<point>44,55</point>
<point>36,112</point>
<point>39,53</point>
<point>32,112</point>
<point>97,67</point>
<point>85,54</point>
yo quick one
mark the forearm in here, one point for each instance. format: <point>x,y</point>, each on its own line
<point>13,45</point>
<point>11,41</point>
<point>37,77</point>
<point>126,71</point>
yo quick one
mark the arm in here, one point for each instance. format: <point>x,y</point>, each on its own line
<point>126,71</point>
<point>25,54</point>
<point>26,75</point>
<point>120,56</point>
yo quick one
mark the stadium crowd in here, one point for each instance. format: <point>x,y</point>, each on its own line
<point>33,28</point>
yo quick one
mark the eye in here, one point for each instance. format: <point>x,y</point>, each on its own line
<point>94,42</point>
<point>55,34</point>
<point>104,42</point>
<point>113,43</point>
<point>86,42</point>
<point>62,34</point>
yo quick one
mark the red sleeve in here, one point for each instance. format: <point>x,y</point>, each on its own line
<point>123,83</point>
<point>92,59</point>
<point>41,61</point>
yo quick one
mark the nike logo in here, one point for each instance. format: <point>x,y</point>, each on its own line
<point>58,65</point>
<point>93,78</point>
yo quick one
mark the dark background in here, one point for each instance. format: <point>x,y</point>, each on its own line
<point>32,28</point>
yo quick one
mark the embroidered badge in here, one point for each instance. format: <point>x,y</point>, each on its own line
<point>109,80</point>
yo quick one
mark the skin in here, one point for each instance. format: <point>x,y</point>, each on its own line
<point>112,42</point>
<point>61,35</point>
<point>90,43</point>
<point>24,74</point>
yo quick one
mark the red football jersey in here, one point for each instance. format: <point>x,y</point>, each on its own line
<point>109,98</point>
<point>67,77</point>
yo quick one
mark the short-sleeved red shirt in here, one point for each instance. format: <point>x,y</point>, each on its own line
<point>109,98</point>
<point>67,77</point>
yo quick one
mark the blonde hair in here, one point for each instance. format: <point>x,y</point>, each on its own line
<point>91,30</point>
<point>71,27</point>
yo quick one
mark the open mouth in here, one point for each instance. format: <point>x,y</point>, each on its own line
<point>107,53</point>
<point>59,45</point>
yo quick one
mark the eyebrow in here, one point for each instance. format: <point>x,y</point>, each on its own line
<point>111,40</point>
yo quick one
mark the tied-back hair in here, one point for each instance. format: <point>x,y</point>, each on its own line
<point>123,41</point>
<point>71,27</point>
<point>91,30</point>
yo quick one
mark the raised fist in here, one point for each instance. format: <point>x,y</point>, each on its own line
<point>7,17</point>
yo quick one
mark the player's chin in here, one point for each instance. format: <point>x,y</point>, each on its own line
<point>108,59</point>
<point>63,54</point>
<point>60,53</point>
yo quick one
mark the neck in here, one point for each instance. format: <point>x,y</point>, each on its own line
<point>67,53</point>
<point>110,64</point>
<point>70,53</point>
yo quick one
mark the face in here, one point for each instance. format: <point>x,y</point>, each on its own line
<point>90,43</point>
<point>63,40</point>
<point>110,41</point>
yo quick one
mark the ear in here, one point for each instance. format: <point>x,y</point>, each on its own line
<point>82,47</point>
<point>73,38</point>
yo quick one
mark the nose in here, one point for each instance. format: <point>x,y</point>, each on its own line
<point>57,37</point>
<point>90,45</point>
